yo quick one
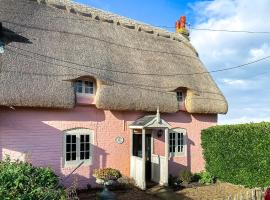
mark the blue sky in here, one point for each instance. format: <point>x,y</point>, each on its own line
<point>247,90</point>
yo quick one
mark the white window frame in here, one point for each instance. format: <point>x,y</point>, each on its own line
<point>177,153</point>
<point>78,132</point>
<point>84,87</point>
<point>182,96</point>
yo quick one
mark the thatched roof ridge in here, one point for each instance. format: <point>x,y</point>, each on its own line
<point>135,64</point>
<point>105,16</point>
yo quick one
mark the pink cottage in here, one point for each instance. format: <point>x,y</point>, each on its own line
<point>82,85</point>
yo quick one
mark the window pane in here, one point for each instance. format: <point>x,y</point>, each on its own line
<point>179,96</point>
<point>87,155</point>
<point>89,90</point>
<point>87,138</point>
<point>71,147</point>
<point>82,138</point>
<point>89,84</point>
<point>82,155</point>
<point>74,147</point>
<point>68,156</point>
<point>73,138</point>
<point>68,138</point>
<point>87,148</point>
<point>79,86</point>
<point>89,87</point>
<point>82,147</point>
<point>67,147</point>
<point>74,156</point>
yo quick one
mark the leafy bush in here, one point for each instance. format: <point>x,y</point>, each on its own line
<point>239,154</point>
<point>124,183</point>
<point>196,177</point>
<point>107,174</point>
<point>206,178</point>
<point>185,176</point>
<point>22,181</point>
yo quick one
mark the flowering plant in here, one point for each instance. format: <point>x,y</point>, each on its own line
<point>107,174</point>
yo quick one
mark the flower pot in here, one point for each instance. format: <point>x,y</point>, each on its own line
<point>106,194</point>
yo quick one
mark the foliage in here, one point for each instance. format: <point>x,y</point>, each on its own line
<point>239,154</point>
<point>22,181</point>
<point>206,178</point>
<point>124,183</point>
<point>185,176</point>
<point>107,174</point>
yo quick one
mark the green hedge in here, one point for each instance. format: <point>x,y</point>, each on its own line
<point>22,181</point>
<point>238,154</point>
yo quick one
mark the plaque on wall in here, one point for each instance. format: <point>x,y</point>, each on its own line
<point>119,140</point>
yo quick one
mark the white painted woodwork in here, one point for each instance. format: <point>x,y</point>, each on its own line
<point>136,167</point>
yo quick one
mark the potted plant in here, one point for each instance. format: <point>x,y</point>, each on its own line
<point>106,177</point>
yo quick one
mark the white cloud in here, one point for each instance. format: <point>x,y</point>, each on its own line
<point>217,50</point>
<point>260,52</point>
<point>236,82</point>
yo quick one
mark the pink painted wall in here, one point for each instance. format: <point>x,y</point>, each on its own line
<point>40,132</point>
<point>193,160</point>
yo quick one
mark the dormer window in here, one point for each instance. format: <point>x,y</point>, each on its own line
<point>180,96</point>
<point>85,87</point>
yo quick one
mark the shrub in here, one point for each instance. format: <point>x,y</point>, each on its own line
<point>22,181</point>
<point>185,176</point>
<point>206,178</point>
<point>196,177</point>
<point>238,154</point>
<point>107,174</point>
<point>125,183</point>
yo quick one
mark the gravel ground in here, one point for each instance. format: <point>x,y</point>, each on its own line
<point>211,192</point>
<point>132,194</point>
<point>216,191</point>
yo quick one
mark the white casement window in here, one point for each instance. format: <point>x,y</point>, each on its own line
<point>78,147</point>
<point>180,96</point>
<point>85,87</point>
<point>177,142</point>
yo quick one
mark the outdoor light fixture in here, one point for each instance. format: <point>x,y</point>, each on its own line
<point>159,133</point>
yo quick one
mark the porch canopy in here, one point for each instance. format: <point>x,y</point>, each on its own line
<point>159,164</point>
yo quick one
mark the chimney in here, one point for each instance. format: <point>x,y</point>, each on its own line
<point>180,26</point>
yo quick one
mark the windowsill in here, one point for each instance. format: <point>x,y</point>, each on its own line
<point>74,164</point>
<point>85,94</point>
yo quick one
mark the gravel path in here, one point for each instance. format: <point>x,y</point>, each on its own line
<point>211,192</point>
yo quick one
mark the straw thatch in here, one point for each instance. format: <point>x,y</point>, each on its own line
<point>52,42</point>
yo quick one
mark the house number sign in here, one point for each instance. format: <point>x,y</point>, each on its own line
<point>119,140</point>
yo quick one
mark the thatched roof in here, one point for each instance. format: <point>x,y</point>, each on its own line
<point>52,42</point>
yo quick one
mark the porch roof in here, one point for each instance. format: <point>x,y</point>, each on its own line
<point>150,121</point>
<point>143,121</point>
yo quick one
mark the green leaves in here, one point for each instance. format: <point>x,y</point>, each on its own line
<point>239,154</point>
<point>22,181</point>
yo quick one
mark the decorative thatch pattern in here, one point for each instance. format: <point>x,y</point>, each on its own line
<point>57,41</point>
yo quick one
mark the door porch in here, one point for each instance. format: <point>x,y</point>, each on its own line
<point>144,164</point>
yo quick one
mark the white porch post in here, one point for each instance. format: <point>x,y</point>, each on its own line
<point>166,170</point>
<point>143,160</point>
<point>131,170</point>
<point>131,142</point>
